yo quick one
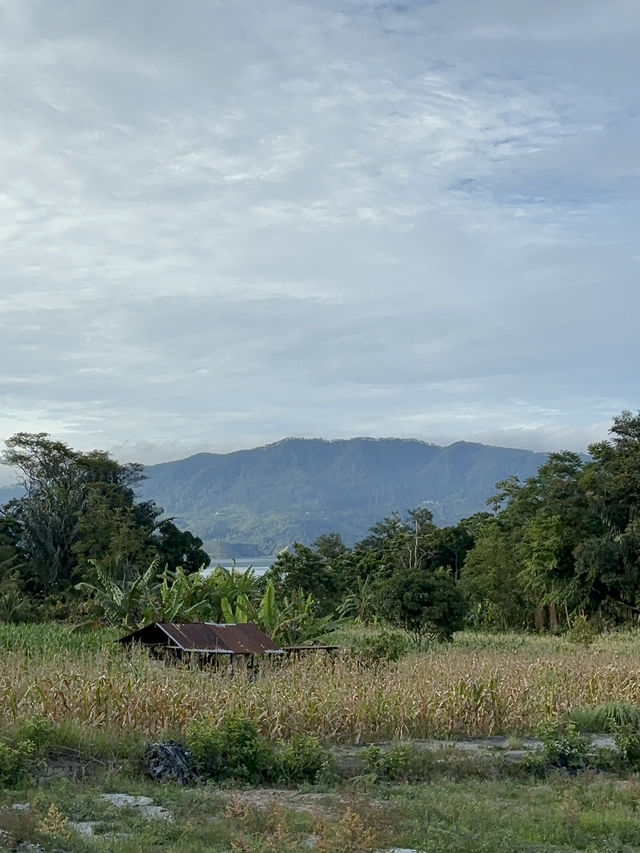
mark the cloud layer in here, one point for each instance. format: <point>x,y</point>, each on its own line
<point>222,223</point>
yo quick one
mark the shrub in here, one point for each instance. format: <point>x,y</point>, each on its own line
<point>381,646</point>
<point>231,750</point>
<point>303,759</point>
<point>399,763</point>
<point>582,632</point>
<point>563,746</point>
<point>14,762</point>
<point>627,739</point>
<point>234,750</point>
<point>38,731</point>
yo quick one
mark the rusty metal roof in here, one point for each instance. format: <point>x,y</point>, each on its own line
<point>206,637</point>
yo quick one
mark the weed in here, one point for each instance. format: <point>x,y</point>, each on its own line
<point>303,759</point>
<point>348,835</point>
<point>563,746</point>
<point>233,749</point>
<point>55,823</point>
<point>15,761</point>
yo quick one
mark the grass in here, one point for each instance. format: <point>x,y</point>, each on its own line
<point>589,813</point>
<point>52,638</point>
<point>79,697</point>
<point>481,685</point>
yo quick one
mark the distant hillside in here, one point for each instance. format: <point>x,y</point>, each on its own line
<point>257,501</point>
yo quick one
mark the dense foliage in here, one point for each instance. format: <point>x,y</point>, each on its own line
<point>78,511</point>
<point>560,549</point>
<point>565,542</point>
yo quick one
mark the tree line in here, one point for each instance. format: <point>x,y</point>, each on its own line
<point>560,545</point>
<point>78,512</point>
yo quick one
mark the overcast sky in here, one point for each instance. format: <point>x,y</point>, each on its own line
<point>223,223</point>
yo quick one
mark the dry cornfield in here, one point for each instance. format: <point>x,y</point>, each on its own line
<point>475,688</point>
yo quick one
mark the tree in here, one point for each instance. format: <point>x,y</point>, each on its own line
<point>450,546</point>
<point>544,542</point>
<point>400,543</point>
<point>490,580</point>
<point>608,558</point>
<point>177,547</point>
<point>424,603</point>
<point>331,548</point>
<point>304,569</point>
<point>47,516</point>
<point>541,521</point>
<point>80,510</point>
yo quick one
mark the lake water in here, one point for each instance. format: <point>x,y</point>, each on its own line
<point>259,564</point>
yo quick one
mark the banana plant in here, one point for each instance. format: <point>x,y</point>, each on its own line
<point>360,602</point>
<point>124,601</point>
<point>294,622</point>
<point>237,614</point>
<point>178,598</point>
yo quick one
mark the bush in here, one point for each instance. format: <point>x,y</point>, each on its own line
<point>582,632</point>
<point>14,762</point>
<point>563,746</point>
<point>381,646</point>
<point>627,739</point>
<point>399,763</point>
<point>38,731</point>
<point>235,750</point>
<point>231,750</point>
<point>303,759</point>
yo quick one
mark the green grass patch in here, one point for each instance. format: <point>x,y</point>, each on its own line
<point>590,813</point>
<point>53,638</point>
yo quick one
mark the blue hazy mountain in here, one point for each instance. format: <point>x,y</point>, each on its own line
<point>257,501</point>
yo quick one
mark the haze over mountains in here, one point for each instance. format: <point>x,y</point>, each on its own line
<point>257,501</point>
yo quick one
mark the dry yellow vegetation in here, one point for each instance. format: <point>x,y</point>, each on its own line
<point>477,687</point>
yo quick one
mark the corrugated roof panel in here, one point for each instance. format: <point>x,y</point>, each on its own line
<point>244,639</point>
<point>192,636</point>
<point>207,636</point>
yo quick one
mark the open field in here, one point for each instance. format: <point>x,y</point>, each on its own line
<point>104,704</point>
<point>481,685</point>
<point>593,814</point>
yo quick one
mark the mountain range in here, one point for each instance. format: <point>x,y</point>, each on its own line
<point>253,502</point>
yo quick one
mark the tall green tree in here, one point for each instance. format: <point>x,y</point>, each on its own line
<point>608,558</point>
<point>176,547</point>
<point>424,603</point>
<point>47,516</point>
<point>304,569</point>
<point>491,582</point>
<point>79,510</point>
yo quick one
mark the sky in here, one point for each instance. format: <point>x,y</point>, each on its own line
<point>224,223</point>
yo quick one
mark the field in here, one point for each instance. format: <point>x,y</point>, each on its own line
<point>481,685</point>
<point>102,705</point>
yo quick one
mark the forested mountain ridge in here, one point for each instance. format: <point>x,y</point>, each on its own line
<point>262,499</point>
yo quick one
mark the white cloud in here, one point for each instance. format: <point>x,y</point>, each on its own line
<point>223,223</point>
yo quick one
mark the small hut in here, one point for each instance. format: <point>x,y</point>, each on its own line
<point>209,642</point>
